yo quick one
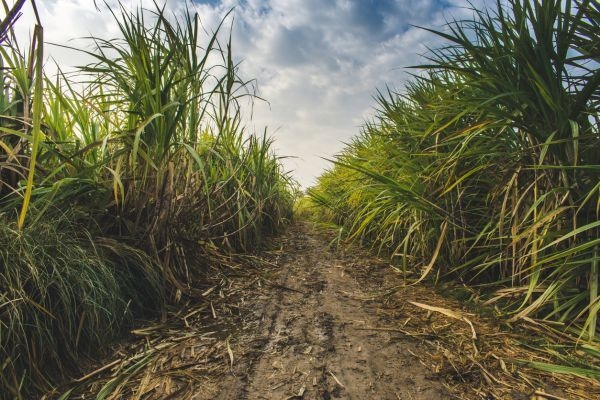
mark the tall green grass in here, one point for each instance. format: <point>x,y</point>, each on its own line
<point>64,294</point>
<point>119,185</point>
<point>485,168</point>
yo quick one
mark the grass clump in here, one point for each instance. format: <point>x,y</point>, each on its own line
<point>63,296</point>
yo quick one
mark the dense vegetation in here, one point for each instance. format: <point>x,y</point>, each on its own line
<point>119,186</point>
<point>485,168</point>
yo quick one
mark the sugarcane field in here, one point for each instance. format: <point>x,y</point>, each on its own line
<point>300,199</point>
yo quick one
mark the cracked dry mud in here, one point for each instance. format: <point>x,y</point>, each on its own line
<point>311,336</point>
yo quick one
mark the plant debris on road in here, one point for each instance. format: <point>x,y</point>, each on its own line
<point>316,322</point>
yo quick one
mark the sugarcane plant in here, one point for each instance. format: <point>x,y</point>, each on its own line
<point>485,168</point>
<point>120,185</point>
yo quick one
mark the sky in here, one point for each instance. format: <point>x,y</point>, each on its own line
<point>317,63</point>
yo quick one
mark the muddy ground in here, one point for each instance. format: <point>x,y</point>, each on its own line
<point>317,321</point>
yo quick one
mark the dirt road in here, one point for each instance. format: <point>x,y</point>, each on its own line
<point>305,322</point>
<point>317,337</point>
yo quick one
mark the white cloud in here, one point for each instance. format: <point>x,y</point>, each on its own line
<point>318,62</point>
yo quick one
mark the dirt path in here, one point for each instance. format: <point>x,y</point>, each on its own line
<point>315,338</point>
<point>305,322</point>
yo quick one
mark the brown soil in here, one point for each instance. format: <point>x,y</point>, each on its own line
<point>317,337</point>
<point>313,322</point>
